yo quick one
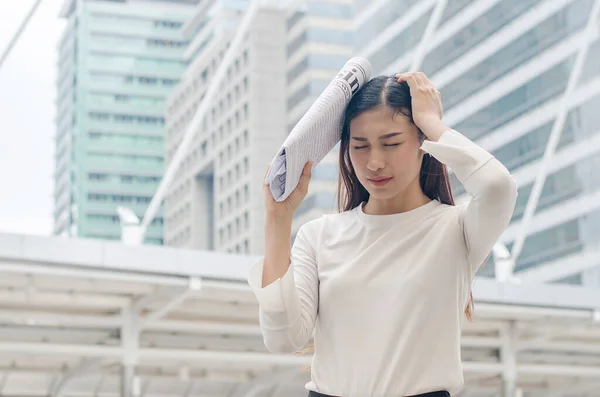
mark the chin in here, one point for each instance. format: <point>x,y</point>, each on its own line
<point>382,195</point>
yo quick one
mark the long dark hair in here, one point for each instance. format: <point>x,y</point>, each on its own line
<point>378,92</point>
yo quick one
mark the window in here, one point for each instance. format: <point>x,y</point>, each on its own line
<point>550,244</point>
<point>534,93</point>
<point>399,44</point>
<point>330,10</point>
<point>480,29</point>
<point>298,96</point>
<point>296,44</point>
<point>330,36</point>
<point>98,116</point>
<point>530,44</point>
<point>97,177</point>
<point>167,24</point>
<point>294,19</point>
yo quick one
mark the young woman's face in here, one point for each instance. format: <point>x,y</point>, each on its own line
<point>385,152</point>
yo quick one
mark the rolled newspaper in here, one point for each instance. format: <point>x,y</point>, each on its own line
<point>318,131</point>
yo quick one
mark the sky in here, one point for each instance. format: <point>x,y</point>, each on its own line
<point>27,111</point>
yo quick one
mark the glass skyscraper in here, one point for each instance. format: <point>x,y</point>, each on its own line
<point>117,61</point>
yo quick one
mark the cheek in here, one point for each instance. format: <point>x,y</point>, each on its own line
<point>406,158</point>
<point>358,161</point>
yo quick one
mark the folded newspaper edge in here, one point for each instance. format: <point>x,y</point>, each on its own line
<point>318,131</point>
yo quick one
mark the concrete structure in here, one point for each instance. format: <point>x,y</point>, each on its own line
<point>215,201</point>
<point>117,62</point>
<point>96,318</point>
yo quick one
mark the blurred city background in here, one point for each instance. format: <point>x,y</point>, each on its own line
<point>135,136</point>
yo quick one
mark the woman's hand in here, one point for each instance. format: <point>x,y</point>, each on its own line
<point>286,209</point>
<point>427,110</point>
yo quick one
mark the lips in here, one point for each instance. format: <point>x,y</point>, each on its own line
<point>379,178</point>
<point>379,181</point>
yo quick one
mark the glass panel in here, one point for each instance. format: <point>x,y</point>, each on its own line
<point>536,40</point>
<point>399,45</point>
<point>330,10</point>
<point>481,28</point>
<point>548,85</point>
<point>385,15</point>
<point>550,244</point>
<point>453,7</point>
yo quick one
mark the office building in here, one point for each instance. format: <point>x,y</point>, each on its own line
<point>117,62</point>
<point>216,199</point>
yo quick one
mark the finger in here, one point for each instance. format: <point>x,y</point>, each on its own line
<point>306,174</point>
<point>410,79</point>
<point>307,170</point>
<point>423,80</point>
<point>401,77</point>
<point>426,83</point>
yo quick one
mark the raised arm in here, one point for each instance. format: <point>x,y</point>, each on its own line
<point>285,281</point>
<point>492,189</point>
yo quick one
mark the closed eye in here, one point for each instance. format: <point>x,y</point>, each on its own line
<point>392,144</point>
<point>359,147</point>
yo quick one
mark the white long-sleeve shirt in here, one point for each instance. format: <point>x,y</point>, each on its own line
<point>385,294</point>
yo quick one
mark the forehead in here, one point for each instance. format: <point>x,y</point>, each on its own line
<point>379,121</point>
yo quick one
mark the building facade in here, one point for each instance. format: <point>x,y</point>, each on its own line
<point>117,63</point>
<point>216,199</point>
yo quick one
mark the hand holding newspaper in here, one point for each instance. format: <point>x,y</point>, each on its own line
<point>318,131</point>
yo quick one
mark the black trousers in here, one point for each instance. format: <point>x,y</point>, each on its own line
<point>432,394</point>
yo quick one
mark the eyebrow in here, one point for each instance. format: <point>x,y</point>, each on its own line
<point>386,136</point>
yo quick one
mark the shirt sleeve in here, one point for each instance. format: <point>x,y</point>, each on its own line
<point>492,191</point>
<point>288,306</point>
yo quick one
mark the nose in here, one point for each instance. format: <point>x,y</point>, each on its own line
<point>376,161</point>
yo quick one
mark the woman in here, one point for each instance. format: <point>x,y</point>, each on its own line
<point>385,284</point>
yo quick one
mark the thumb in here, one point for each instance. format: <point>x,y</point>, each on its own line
<point>306,174</point>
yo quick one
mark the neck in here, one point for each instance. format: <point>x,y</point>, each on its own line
<point>411,198</point>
